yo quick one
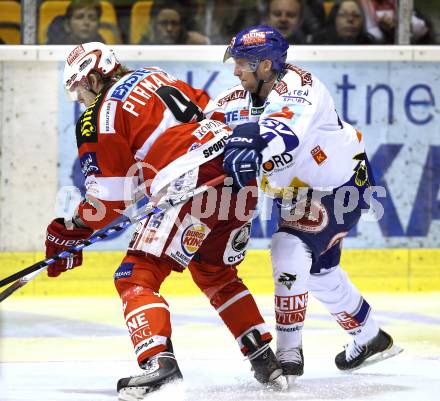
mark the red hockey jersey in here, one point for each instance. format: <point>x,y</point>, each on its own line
<point>115,137</point>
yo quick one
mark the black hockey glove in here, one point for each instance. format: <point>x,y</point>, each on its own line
<point>242,157</point>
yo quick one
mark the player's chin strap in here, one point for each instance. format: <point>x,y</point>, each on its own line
<point>279,75</point>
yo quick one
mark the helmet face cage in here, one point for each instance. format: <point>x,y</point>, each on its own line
<point>259,43</point>
<point>84,59</point>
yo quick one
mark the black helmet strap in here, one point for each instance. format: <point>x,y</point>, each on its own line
<point>261,82</point>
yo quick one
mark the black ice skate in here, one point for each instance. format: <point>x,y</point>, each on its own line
<point>267,369</point>
<point>292,362</point>
<point>160,369</point>
<point>356,356</point>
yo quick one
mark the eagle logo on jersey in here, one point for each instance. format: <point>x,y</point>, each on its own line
<point>241,239</point>
<point>287,279</point>
<point>361,172</point>
<point>237,244</point>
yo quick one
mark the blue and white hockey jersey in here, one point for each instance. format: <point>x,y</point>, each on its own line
<point>308,144</point>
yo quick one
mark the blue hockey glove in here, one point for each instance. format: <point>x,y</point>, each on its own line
<point>242,157</point>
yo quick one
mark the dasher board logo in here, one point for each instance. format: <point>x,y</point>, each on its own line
<point>187,240</point>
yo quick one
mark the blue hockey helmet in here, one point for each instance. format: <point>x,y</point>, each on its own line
<point>257,43</point>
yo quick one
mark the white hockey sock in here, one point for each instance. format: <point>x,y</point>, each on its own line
<point>291,262</point>
<point>344,301</point>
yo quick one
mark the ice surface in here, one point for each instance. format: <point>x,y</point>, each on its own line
<point>75,349</point>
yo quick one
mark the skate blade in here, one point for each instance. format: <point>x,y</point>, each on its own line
<point>279,384</point>
<point>132,394</point>
<point>381,356</point>
<point>291,379</point>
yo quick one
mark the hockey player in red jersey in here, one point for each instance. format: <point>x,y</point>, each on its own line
<point>145,128</point>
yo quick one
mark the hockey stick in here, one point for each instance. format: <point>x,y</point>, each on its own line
<point>24,276</point>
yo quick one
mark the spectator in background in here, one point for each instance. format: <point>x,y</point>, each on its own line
<point>168,26</point>
<point>80,24</point>
<point>314,16</point>
<point>287,17</point>
<point>345,26</point>
<point>381,16</point>
<point>225,18</point>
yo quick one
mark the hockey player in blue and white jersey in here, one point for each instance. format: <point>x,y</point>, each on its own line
<point>288,133</point>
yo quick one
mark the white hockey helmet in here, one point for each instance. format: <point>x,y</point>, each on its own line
<point>85,58</point>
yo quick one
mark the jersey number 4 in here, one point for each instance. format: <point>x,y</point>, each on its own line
<point>182,108</point>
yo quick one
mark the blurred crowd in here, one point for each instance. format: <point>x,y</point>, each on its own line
<point>202,22</point>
